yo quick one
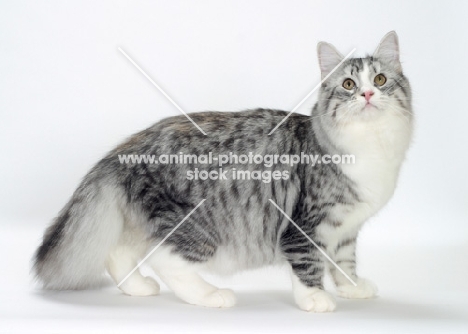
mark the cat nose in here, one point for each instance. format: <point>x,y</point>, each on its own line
<point>367,95</point>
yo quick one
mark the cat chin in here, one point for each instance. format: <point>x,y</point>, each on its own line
<point>373,107</point>
<point>370,106</point>
<point>371,113</point>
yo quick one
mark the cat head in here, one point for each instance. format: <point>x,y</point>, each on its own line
<point>363,89</point>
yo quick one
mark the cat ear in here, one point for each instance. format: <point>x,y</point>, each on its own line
<point>328,57</point>
<point>389,51</point>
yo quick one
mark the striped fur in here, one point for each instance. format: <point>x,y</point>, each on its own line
<point>121,211</point>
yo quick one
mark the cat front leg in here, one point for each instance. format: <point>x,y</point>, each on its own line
<point>345,257</point>
<point>311,298</point>
<point>307,270</point>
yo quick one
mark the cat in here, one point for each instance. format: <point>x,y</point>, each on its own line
<point>121,211</point>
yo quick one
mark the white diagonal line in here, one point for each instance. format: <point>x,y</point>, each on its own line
<point>312,91</point>
<point>313,243</point>
<point>160,243</point>
<point>160,89</point>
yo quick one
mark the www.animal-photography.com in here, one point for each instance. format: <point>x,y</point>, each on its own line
<point>233,166</point>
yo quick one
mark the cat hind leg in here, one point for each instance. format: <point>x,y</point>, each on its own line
<point>121,261</point>
<point>182,277</point>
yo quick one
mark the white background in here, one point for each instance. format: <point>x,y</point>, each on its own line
<point>67,96</point>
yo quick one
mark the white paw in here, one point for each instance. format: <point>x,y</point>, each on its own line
<point>317,301</point>
<point>364,289</point>
<point>140,286</point>
<point>218,298</point>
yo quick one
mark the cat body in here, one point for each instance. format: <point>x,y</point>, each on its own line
<point>122,211</point>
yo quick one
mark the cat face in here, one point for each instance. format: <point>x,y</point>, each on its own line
<point>363,89</point>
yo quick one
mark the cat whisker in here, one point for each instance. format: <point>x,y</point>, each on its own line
<point>395,107</point>
<point>321,115</point>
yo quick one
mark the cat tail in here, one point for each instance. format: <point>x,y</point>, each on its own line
<point>75,247</point>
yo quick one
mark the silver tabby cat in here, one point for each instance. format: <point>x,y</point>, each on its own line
<point>121,211</point>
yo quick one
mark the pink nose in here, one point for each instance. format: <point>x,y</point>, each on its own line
<point>367,95</point>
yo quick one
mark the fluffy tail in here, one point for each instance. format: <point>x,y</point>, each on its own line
<point>75,247</point>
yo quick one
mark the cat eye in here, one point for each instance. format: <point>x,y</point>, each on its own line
<point>348,84</point>
<point>380,79</point>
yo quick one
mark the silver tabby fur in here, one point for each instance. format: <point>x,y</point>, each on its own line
<point>121,211</point>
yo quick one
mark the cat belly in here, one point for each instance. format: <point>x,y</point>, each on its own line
<point>234,258</point>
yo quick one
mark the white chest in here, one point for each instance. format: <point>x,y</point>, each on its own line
<point>379,150</point>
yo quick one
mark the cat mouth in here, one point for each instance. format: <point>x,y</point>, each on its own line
<point>369,106</point>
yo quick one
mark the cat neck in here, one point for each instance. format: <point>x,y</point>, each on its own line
<point>385,139</point>
<point>378,147</point>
